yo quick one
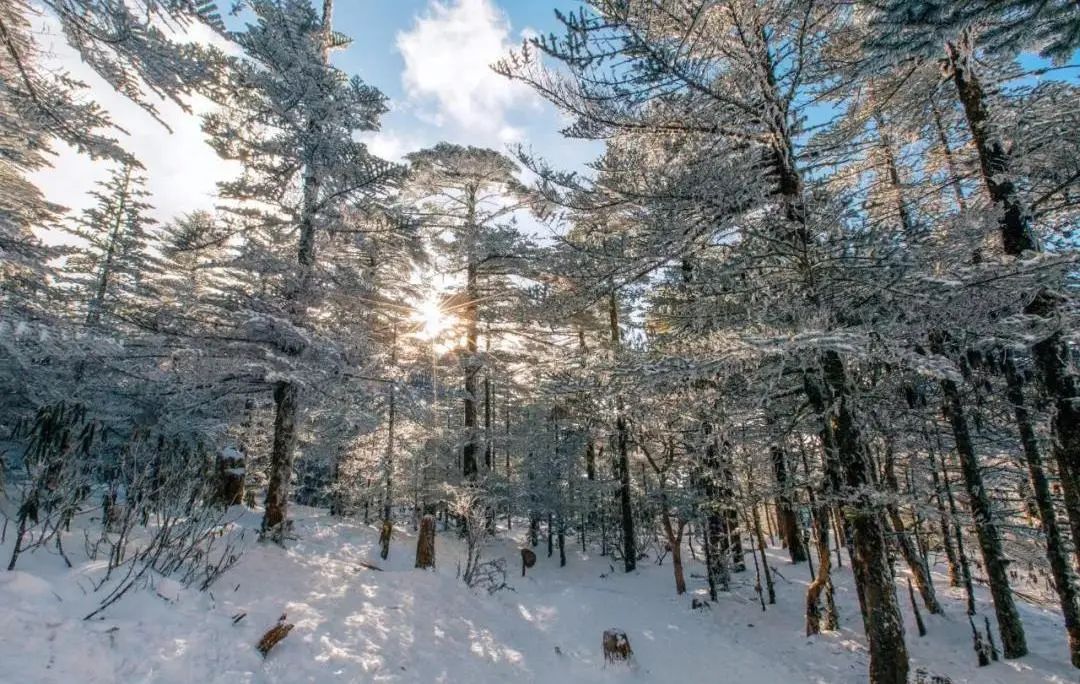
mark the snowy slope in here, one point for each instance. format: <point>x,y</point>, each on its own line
<point>403,625</point>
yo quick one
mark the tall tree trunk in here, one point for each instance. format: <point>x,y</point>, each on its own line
<point>387,528</point>
<point>534,529</point>
<point>1015,220</point>
<point>958,535</point>
<point>769,586</point>
<point>622,448</point>
<point>472,359</point>
<point>509,500</point>
<point>277,491</point>
<point>425,543</point>
<point>1053,362</point>
<point>286,394</point>
<point>717,495</point>
<point>674,539</point>
<point>1052,357</point>
<point>489,446</point>
<point>472,368</point>
<point>950,158</point>
<point>892,173</point>
<point>561,526</point>
<point>789,523</point>
<point>816,619</point>
<point>1014,644</point>
<point>919,571</point>
<point>590,460</point>
<point>945,527</point>
<point>1064,581</point>
<point>713,574</point>
<point>732,540</point>
<point>883,621</point>
<point>882,617</point>
<point>551,533</point>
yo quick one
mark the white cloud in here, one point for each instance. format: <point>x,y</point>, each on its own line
<point>448,54</point>
<point>182,170</point>
<point>392,145</point>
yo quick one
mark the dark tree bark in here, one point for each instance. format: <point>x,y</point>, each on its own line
<point>281,456</point>
<point>550,534</point>
<point>622,448</point>
<point>731,542</point>
<point>425,543</point>
<point>721,518</point>
<point>472,368</point>
<point>919,571</point>
<point>590,460</point>
<point>231,478</point>
<point>387,528</point>
<point>958,536</point>
<point>1014,644</point>
<point>843,441</point>
<point>534,529</point>
<point>489,446</point>
<point>892,174</point>
<point>509,501</point>
<point>769,586</point>
<point>822,587</point>
<point>673,531</point>
<point>286,394</point>
<point>471,316</point>
<point>915,609</point>
<point>1064,581</point>
<point>1053,363</point>
<point>1015,220</point>
<point>785,509</point>
<point>1017,236</point>
<point>713,572</point>
<point>945,527</point>
<point>562,541</point>
<point>830,396</point>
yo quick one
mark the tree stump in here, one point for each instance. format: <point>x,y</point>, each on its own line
<point>273,635</point>
<point>528,559</point>
<point>425,543</point>
<point>231,472</point>
<point>617,647</point>
<point>385,534</point>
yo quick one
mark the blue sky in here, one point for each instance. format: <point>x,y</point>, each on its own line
<point>430,57</point>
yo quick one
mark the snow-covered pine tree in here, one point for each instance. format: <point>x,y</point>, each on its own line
<point>291,122</point>
<point>113,271</point>
<point>465,197</point>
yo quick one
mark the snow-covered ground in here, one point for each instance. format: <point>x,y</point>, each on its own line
<point>404,625</point>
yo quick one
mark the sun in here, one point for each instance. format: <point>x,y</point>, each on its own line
<point>431,320</point>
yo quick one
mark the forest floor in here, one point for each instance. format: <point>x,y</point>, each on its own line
<point>399,624</point>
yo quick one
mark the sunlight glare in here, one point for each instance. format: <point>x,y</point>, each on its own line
<point>432,320</point>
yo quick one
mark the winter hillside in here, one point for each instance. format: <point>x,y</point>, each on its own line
<point>355,624</point>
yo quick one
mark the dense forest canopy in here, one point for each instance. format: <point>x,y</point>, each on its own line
<point>818,283</point>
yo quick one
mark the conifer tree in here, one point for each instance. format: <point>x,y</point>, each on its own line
<point>292,124</point>
<point>114,271</point>
<point>465,197</point>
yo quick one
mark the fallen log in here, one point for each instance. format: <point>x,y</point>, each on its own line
<point>274,635</point>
